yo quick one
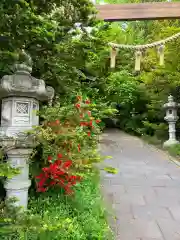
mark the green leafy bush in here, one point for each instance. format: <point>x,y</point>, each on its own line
<point>53,216</point>
<point>72,130</point>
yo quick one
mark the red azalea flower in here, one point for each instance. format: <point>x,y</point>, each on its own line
<point>59,155</point>
<point>73,182</point>
<point>78,178</point>
<point>41,189</point>
<point>77,105</point>
<point>89,133</point>
<point>87,101</point>
<point>67,164</point>
<point>57,122</point>
<point>40,176</point>
<point>91,123</point>
<point>60,172</point>
<point>53,167</point>
<point>61,183</point>
<point>89,113</point>
<point>41,182</point>
<point>45,169</point>
<point>49,158</point>
<point>68,190</point>
<point>81,124</point>
<point>72,177</point>
<point>52,183</point>
<point>58,162</point>
<point>56,174</point>
<point>98,121</point>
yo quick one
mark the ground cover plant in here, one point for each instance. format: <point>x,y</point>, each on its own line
<point>52,215</point>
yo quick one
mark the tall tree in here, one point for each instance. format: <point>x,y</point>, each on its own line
<point>42,28</point>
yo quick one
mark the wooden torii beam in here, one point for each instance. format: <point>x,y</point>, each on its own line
<point>138,11</point>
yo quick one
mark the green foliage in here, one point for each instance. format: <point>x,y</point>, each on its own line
<point>142,95</point>
<point>174,150</point>
<point>53,216</point>
<point>71,64</point>
<point>6,170</point>
<point>42,28</point>
<point>122,88</point>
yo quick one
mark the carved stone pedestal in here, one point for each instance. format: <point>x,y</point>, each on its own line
<point>172,135</point>
<point>18,185</point>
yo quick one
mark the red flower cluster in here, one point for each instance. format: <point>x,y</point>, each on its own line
<point>86,121</point>
<point>57,174</point>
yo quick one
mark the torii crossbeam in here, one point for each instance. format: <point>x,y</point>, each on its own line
<point>138,11</point>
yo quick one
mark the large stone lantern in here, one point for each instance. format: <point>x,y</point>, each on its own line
<point>171,117</point>
<point>20,94</point>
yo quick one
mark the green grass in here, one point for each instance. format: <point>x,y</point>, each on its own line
<point>153,140</point>
<point>174,150</point>
<point>57,217</point>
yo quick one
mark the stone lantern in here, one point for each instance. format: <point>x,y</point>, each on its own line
<point>171,117</point>
<point>20,94</point>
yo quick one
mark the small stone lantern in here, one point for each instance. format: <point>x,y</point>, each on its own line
<point>20,94</point>
<point>171,117</point>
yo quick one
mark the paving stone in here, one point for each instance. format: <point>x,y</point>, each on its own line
<point>145,194</point>
<point>150,212</point>
<point>164,192</point>
<point>139,229</point>
<point>162,182</point>
<point>175,176</point>
<point>161,201</point>
<point>139,190</point>
<point>122,209</point>
<point>159,176</point>
<point>132,199</point>
<point>132,175</point>
<point>170,229</point>
<point>175,211</point>
<point>119,189</point>
<point>151,238</point>
<point>127,238</point>
<point>123,217</point>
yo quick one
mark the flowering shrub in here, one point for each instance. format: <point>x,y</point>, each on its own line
<point>68,137</point>
<point>57,174</point>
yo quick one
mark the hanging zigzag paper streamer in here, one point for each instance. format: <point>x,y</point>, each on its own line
<point>114,52</point>
<point>138,57</point>
<point>139,48</point>
<point>161,54</point>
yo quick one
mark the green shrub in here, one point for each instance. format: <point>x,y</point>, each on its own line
<point>53,216</point>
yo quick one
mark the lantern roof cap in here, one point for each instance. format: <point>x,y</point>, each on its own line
<point>171,103</point>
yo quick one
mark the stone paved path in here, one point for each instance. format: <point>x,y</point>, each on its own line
<point>145,194</point>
